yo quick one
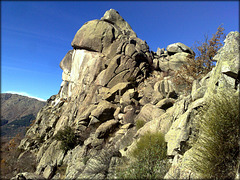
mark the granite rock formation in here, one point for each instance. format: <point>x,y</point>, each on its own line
<point>111,80</point>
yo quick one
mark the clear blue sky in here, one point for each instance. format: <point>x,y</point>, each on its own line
<point>37,35</point>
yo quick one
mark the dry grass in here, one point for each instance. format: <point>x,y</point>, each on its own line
<point>217,148</point>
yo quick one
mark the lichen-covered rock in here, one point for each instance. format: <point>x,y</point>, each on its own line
<point>224,75</point>
<point>74,160</point>
<point>198,93</point>
<point>97,165</point>
<point>180,129</point>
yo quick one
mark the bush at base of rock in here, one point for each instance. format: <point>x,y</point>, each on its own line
<point>217,153</point>
<point>67,138</point>
<point>149,159</point>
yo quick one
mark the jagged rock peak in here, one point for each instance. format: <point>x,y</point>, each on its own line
<point>98,35</point>
<point>114,17</point>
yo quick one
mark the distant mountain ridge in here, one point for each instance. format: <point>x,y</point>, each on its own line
<point>17,112</point>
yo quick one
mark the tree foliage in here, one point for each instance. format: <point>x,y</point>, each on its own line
<point>198,66</point>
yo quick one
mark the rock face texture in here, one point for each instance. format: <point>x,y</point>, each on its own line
<point>106,88</point>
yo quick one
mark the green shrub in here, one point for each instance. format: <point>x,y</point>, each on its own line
<point>67,138</point>
<point>217,148</point>
<point>149,159</point>
<point>139,123</point>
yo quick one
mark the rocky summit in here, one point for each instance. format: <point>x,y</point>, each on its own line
<point>110,81</point>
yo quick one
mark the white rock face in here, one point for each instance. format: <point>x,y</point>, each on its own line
<point>84,68</point>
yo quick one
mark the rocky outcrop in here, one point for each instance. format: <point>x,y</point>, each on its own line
<point>173,57</point>
<point>178,48</point>
<point>106,62</point>
<point>106,89</point>
<point>212,83</point>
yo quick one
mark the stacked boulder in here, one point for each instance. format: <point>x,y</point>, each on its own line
<point>173,57</point>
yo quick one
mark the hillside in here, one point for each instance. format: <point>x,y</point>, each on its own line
<point>118,100</point>
<point>17,112</point>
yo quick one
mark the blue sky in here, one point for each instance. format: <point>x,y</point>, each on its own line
<point>35,36</point>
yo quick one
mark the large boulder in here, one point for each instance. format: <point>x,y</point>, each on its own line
<point>160,51</point>
<point>94,35</point>
<point>165,88</point>
<point>119,89</point>
<point>128,98</point>
<point>105,128</point>
<point>161,123</point>
<point>165,103</point>
<point>149,112</point>
<point>126,55</point>
<point>178,48</point>
<point>177,60</point>
<point>104,111</point>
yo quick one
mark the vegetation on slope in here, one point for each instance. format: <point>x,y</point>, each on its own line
<point>217,148</point>
<point>11,161</point>
<point>67,137</point>
<point>13,128</point>
<point>149,159</point>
